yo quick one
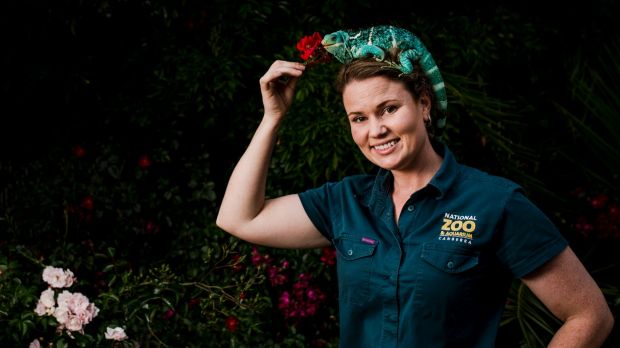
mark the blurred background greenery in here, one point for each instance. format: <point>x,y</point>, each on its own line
<point>122,121</point>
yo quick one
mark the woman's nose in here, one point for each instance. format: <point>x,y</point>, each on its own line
<point>377,128</point>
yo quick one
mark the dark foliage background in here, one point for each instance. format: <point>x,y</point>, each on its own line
<point>121,121</point>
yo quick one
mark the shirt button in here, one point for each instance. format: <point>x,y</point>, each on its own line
<point>411,208</point>
<point>450,264</point>
<point>350,252</point>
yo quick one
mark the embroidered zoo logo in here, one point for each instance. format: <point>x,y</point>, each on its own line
<point>458,228</point>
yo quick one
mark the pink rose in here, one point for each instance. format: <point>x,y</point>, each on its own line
<point>116,334</point>
<point>74,324</point>
<point>35,344</point>
<point>74,311</point>
<point>46,303</point>
<point>57,278</point>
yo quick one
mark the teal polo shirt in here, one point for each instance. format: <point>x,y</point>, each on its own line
<point>440,276</point>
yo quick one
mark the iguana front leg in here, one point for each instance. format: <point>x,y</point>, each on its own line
<point>369,51</point>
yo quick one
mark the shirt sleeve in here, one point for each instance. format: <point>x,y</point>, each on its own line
<point>318,203</point>
<point>528,239</point>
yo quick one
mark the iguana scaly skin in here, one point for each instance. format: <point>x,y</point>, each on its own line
<point>347,45</point>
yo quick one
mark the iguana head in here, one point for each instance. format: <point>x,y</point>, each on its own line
<point>336,44</point>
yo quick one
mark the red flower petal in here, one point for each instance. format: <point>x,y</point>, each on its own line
<point>232,323</point>
<point>144,162</point>
<point>308,45</point>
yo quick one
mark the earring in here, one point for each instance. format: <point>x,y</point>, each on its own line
<point>427,119</point>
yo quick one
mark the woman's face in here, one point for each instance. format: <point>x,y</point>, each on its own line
<point>386,122</point>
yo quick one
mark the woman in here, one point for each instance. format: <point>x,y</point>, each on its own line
<point>427,247</point>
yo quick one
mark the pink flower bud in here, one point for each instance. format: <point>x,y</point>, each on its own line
<point>169,314</point>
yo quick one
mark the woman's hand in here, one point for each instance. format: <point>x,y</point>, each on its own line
<point>277,87</point>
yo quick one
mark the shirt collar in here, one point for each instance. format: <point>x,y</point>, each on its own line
<point>439,184</point>
<point>447,173</point>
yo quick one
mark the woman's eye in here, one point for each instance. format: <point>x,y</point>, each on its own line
<point>390,109</point>
<point>358,119</point>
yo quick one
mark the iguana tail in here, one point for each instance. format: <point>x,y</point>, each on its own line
<point>431,70</point>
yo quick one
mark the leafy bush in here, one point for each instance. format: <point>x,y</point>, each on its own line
<point>159,101</point>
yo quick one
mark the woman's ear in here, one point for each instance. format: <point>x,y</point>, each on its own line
<point>425,103</point>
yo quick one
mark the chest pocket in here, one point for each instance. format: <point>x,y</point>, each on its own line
<point>355,261</point>
<point>450,282</point>
<point>449,259</point>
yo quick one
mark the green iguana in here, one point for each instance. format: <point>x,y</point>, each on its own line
<point>347,45</point>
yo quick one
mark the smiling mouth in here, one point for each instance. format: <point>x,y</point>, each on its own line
<point>385,146</point>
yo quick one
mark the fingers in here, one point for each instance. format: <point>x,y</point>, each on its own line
<point>278,87</point>
<point>282,72</point>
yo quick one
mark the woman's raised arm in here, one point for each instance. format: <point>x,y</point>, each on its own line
<point>280,222</point>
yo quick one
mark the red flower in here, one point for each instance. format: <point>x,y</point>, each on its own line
<point>328,256</point>
<point>232,323</point>
<point>308,44</point>
<point>311,50</point>
<point>258,259</point>
<point>599,201</point>
<point>87,203</point>
<point>144,162</point>
<point>303,300</point>
<point>150,227</point>
<point>237,265</point>
<point>79,151</point>
<point>275,275</point>
<point>193,302</point>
